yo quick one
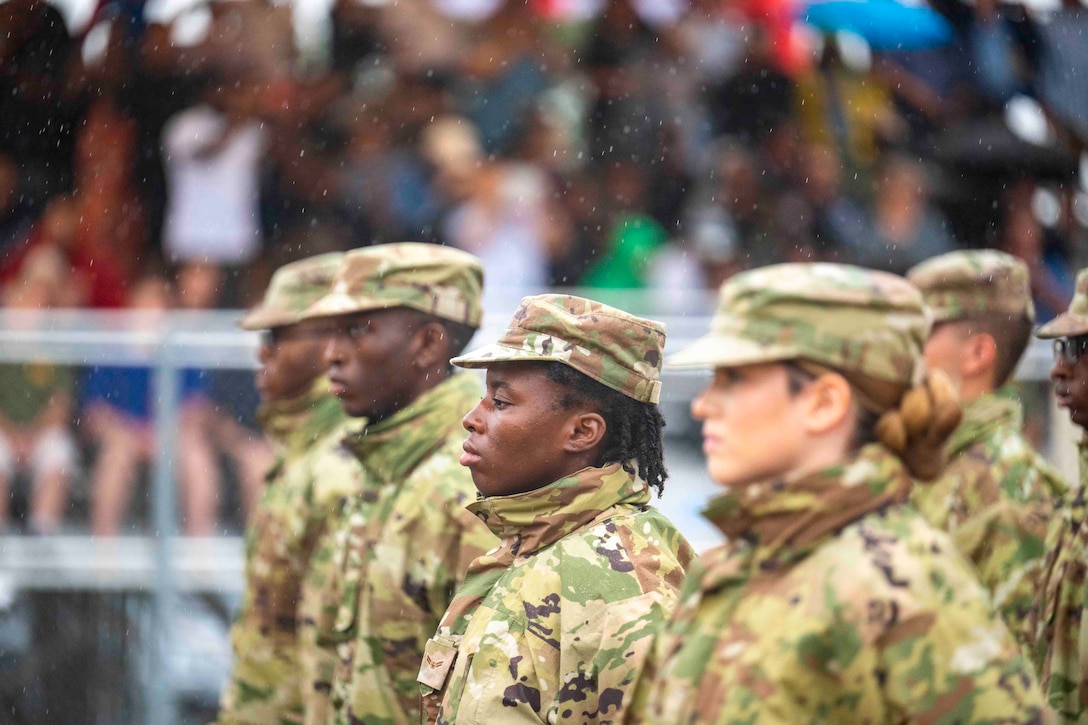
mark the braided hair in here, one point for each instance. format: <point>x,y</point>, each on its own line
<point>633,430</point>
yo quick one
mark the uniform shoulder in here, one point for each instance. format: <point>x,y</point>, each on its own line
<point>621,557</point>
<point>893,558</point>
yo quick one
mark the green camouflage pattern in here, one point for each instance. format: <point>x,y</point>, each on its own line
<point>844,317</point>
<point>1058,624</point>
<point>609,345</point>
<point>439,281</point>
<point>834,601</point>
<point>318,662</point>
<point>406,543</point>
<point>1074,321</point>
<point>555,624</point>
<point>996,498</point>
<point>291,291</point>
<point>311,474</point>
<point>971,283</point>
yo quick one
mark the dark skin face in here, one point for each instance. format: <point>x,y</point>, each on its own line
<point>520,439</point>
<point>1071,383</point>
<point>290,360</point>
<point>378,362</point>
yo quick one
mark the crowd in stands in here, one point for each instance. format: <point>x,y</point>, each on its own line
<point>176,161</point>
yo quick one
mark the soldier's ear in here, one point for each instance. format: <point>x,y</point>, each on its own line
<point>432,346</point>
<point>585,432</point>
<point>827,404</point>
<point>979,355</point>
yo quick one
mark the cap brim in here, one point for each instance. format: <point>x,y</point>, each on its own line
<point>495,353</point>
<point>260,318</point>
<point>716,350</point>
<point>1064,325</point>
<point>335,304</point>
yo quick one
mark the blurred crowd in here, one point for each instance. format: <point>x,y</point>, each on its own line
<point>155,160</point>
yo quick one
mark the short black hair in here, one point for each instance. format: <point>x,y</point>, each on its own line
<point>633,430</point>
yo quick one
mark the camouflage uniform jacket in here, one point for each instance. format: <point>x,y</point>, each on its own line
<point>834,601</point>
<point>407,542</point>
<point>1060,653</point>
<point>555,624</point>
<point>996,498</point>
<point>312,472</point>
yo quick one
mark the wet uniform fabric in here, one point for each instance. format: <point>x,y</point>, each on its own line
<point>554,625</point>
<point>834,601</point>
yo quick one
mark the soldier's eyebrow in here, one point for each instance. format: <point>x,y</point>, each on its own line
<point>496,385</point>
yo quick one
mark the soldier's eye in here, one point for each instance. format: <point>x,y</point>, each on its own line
<point>355,330</point>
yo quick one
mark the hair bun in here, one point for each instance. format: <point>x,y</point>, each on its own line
<point>917,430</point>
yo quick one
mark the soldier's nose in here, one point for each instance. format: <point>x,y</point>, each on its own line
<point>471,420</point>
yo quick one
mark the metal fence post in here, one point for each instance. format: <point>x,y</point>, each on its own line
<point>161,700</point>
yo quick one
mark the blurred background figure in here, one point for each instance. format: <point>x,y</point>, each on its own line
<point>36,406</point>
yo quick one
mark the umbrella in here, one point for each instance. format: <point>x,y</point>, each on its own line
<point>987,147</point>
<point>883,24</point>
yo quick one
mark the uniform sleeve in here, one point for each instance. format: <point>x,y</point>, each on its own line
<point>264,684</point>
<point>317,658</point>
<point>1059,618</point>
<point>1006,542</point>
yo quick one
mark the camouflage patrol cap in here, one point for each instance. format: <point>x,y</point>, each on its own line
<point>293,288</point>
<point>844,317</point>
<point>618,350</point>
<point>1074,321</point>
<point>963,285</point>
<point>437,280</point>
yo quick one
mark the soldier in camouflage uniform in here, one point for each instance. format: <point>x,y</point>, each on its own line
<point>1061,652</point>
<point>399,313</point>
<point>996,495</point>
<point>564,449</point>
<point>833,600</point>
<point>312,472</point>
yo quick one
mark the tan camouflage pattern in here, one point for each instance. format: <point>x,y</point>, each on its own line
<point>318,662</point>
<point>439,281</point>
<point>834,602</point>
<point>1059,626</point>
<point>291,291</point>
<point>407,541</point>
<point>996,498</point>
<point>311,474</point>
<point>555,624</point>
<point>609,345</point>
<point>969,283</point>
<point>844,317</point>
<point>1074,321</point>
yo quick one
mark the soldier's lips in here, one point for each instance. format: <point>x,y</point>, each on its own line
<point>337,387</point>
<point>470,457</point>
<point>710,442</point>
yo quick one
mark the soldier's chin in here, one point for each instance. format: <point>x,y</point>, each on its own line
<point>481,484</point>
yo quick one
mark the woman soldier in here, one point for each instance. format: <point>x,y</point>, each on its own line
<point>832,601</point>
<point>564,448</point>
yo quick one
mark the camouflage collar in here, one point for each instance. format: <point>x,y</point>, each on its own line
<point>391,449</point>
<point>984,415</point>
<point>539,518</point>
<point>782,521</point>
<point>293,425</point>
